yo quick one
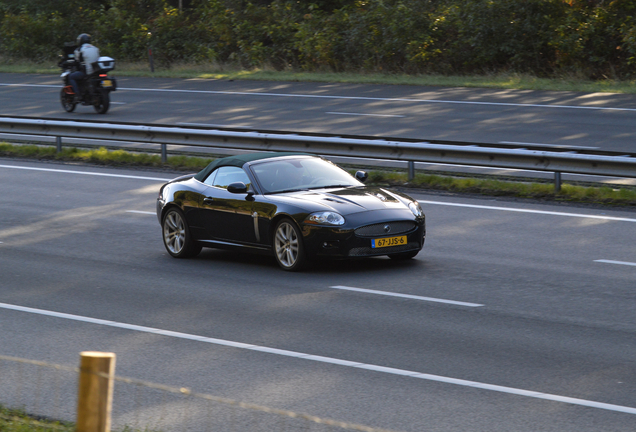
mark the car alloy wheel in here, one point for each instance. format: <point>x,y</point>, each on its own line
<point>176,236</point>
<point>288,247</point>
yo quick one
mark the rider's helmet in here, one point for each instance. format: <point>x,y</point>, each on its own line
<point>83,39</point>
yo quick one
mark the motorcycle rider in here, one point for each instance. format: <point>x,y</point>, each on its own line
<point>86,54</point>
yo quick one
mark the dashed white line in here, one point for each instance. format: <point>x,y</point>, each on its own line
<point>361,114</point>
<point>330,360</point>
<point>519,210</point>
<point>214,125</point>
<point>561,146</point>
<point>141,212</point>
<point>408,296</point>
<point>616,262</point>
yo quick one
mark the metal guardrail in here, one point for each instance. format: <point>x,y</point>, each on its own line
<point>410,151</point>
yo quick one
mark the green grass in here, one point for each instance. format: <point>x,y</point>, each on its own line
<point>220,72</point>
<point>103,156</point>
<point>12,420</point>
<point>18,421</point>
<point>625,196</point>
<point>487,185</point>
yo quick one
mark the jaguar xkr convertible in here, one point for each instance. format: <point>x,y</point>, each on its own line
<point>297,207</point>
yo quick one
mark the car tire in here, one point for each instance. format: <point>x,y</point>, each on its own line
<point>404,255</point>
<point>176,235</point>
<point>288,246</point>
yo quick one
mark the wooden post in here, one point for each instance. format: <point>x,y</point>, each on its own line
<point>95,396</point>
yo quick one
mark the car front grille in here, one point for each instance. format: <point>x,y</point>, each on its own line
<point>369,251</point>
<point>375,230</point>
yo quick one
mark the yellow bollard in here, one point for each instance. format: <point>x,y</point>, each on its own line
<point>95,395</point>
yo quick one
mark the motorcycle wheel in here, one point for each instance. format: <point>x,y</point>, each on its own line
<point>102,102</point>
<point>67,101</point>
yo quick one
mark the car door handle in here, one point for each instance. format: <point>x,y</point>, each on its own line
<point>208,200</point>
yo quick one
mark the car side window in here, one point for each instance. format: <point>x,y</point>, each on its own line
<point>224,176</point>
<point>209,180</point>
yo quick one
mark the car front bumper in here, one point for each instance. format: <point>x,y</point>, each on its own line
<point>332,242</point>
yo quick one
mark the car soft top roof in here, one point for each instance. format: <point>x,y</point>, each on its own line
<point>240,160</point>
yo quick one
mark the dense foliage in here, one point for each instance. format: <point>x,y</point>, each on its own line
<point>589,38</point>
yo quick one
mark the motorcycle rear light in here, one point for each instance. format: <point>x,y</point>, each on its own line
<point>102,75</point>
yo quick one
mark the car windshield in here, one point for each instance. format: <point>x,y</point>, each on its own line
<point>301,174</point>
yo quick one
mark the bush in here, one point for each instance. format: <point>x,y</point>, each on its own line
<point>40,36</point>
<point>591,39</point>
<point>597,39</point>
<point>504,35</point>
<point>389,36</point>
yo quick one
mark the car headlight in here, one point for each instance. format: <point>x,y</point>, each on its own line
<point>325,218</point>
<point>416,208</point>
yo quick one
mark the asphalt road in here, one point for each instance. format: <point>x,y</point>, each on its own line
<point>563,119</point>
<point>518,316</point>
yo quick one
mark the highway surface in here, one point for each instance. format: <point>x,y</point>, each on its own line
<point>549,119</point>
<point>516,316</point>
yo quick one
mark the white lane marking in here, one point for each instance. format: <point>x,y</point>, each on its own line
<point>363,98</point>
<point>118,103</point>
<point>85,173</point>
<point>360,114</point>
<point>331,360</point>
<point>421,201</point>
<point>408,296</point>
<point>141,212</point>
<point>616,262</point>
<point>561,146</point>
<point>30,85</point>
<point>215,125</point>
<point>518,210</point>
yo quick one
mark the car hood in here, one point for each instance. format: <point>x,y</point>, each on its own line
<point>348,200</point>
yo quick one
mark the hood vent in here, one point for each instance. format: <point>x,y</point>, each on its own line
<point>334,200</point>
<point>378,195</point>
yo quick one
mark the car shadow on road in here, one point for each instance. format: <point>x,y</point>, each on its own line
<point>250,262</point>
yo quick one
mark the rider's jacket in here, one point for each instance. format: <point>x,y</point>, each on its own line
<point>87,54</point>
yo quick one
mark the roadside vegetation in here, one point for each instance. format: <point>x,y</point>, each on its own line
<point>484,185</point>
<point>12,420</point>
<point>18,421</point>
<point>570,40</point>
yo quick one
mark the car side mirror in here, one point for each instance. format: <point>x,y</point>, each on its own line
<point>362,176</point>
<point>237,188</point>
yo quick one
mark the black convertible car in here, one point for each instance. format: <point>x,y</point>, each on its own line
<point>294,206</point>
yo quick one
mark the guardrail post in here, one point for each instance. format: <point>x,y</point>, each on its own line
<point>58,143</point>
<point>411,170</point>
<point>164,153</point>
<point>557,181</point>
<point>95,396</point>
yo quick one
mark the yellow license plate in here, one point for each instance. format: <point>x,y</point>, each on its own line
<point>390,241</point>
<point>107,83</point>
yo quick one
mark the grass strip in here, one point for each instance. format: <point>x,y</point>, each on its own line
<point>12,420</point>
<point>18,421</point>
<point>607,195</point>
<point>103,156</point>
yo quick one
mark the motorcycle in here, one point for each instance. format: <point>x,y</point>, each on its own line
<point>94,88</point>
